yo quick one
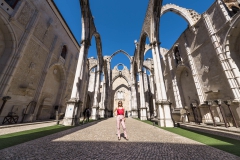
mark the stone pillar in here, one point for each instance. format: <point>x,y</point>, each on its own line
<point>74,103</point>
<point>134,109</point>
<point>143,109</point>
<point>153,95</point>
<point>146,91</point>
<point>103,95</point>
<point>174,85</point>
<point>95,107</point>
<point>164,114</point>
<point>109,89</point>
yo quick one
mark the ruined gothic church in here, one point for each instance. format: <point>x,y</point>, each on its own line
<point>45,73</point>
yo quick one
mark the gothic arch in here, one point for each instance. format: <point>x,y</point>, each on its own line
<point>232,35</point>
<point>92,67</point>
<point>120,51</point>
<point>121,86</point>
<point>148,47</point>
<point>189,15</point>
<point>145,66</point>
<point>99,48</point>
<point>141,50</point>
<point>89,30</point>
<point>122,76</point>
<point>231,49</point>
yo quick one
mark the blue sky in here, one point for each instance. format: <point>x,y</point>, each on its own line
<point>119,23</point>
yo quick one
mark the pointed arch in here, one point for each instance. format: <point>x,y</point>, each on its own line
<point>141,50</point>
<point>99,48</point>
<point>120,51</point>
<point>122,76</point>
<point>189,15</point>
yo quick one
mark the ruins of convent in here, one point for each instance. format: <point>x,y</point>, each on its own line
<point>45,73</point>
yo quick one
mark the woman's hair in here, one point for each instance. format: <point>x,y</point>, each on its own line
<point>120,102</point>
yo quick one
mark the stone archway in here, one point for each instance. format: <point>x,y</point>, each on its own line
<point>120,51</point>
<point>189,15</point>
<point>121,93</point>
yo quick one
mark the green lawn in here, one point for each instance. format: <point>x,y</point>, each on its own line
<point>12,139</point>
<point>222,143</point>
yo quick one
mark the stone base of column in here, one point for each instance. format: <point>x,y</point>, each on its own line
<point>166,120</point>
<point>94,114</point>
<point>71,118</point>
<point>102,113</point>
<point>148,114</point>
<point>161,123</point>
<point>143,113</point>
<point>134,113</point>
<point>70,121</point>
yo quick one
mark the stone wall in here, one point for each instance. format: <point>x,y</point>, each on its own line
<point>40,73</point>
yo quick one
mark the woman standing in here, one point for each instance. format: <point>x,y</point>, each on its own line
<point>120,113</point>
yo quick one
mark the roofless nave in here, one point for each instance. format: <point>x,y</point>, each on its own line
<point>197,77</point>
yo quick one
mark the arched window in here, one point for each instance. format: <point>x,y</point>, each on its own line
<point>12,3</point>
<point>177,55</point>
<point>64,52</point>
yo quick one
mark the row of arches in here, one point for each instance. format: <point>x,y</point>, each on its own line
<point>184,77</point>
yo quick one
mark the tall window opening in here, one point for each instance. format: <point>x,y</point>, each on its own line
<point>177,56</point>
<point>64,52</point>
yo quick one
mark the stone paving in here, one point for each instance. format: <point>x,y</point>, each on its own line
<point>98,140</point>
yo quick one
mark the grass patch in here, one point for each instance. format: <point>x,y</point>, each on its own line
<point>12,139</point>
<point>223,143</point>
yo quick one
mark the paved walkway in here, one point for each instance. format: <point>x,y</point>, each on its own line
<point>24,127</point>
<point>98,140</point>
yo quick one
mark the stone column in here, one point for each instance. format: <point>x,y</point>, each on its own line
<point>74,102</point>
<point>95,107</point>
<point>153,94</point>
<point>174,85</point>
<point>109,89</point>
<point>164,114</point>
<point>102,107</point>
<point>146,91</point>
<point>143,109</point>
<point>134,109</point>
<point>82,88</point>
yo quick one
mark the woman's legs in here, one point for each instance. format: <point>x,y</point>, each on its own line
<point>118,126</point>
<point>124,128</point>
